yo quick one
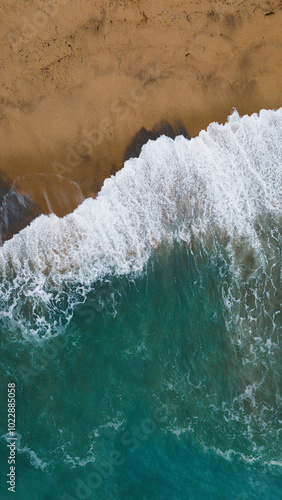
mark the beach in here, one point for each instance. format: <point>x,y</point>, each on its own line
<point>140,250</point>
<point>80,79</point>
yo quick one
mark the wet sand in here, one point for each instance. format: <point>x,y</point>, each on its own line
<point>79,79</point>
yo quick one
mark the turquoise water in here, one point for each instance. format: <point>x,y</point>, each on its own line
<point>149,368</point>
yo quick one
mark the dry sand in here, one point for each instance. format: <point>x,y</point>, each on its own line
<point>79,78</point>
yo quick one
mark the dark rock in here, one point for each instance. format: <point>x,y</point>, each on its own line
<point>16,210</point>
<point>144,135</point>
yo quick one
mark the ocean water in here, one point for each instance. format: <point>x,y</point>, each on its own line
<point>143,330</point>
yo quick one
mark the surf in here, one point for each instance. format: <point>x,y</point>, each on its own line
<point>221,188</point>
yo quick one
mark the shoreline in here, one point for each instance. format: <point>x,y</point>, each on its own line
<point>77,89</point>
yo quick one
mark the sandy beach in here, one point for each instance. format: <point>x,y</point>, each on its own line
<point>79,79</point>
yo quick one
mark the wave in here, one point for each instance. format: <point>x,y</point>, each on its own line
<point>215,188</point>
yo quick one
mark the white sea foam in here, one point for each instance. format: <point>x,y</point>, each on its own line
<point>221,182</point>
<point>37,462</point>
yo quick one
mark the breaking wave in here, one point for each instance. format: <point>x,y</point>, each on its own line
<point>222,188</point>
